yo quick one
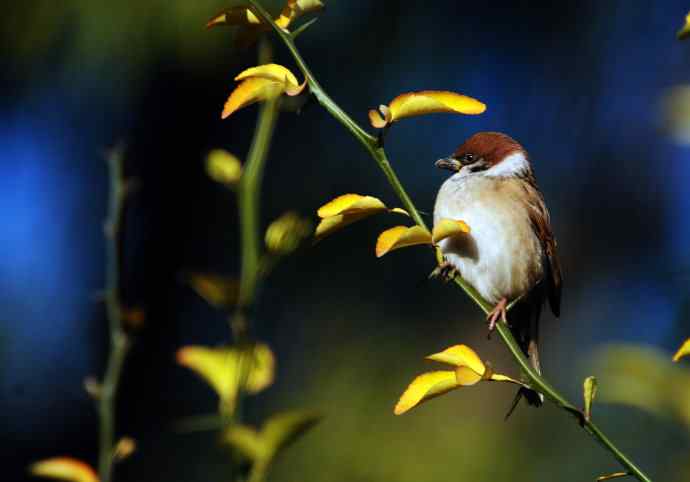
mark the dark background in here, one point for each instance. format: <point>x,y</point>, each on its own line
<point>579,83</point>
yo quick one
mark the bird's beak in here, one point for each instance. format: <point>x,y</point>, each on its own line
<point>449,163</point>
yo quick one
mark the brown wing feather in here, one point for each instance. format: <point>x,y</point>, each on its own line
<point>541,222</point>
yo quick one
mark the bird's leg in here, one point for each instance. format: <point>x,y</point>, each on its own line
<point>446,271</point>
<point>499,311</point>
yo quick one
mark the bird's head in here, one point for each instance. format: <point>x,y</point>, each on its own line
<point>491,153</point>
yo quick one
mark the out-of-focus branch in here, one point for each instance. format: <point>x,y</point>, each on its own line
<point>119,341</point>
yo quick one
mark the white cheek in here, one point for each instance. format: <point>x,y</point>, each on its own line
<point>515,163</point>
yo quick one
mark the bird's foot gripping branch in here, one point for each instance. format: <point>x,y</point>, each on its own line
<point>270,81</point>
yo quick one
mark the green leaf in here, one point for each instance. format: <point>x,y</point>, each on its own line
<point>247,441</point>
<point>590,392</point>
<point>284,428</point>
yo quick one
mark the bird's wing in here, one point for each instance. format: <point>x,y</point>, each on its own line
<point>541,223</point>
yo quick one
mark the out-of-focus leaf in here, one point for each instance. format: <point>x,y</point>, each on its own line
<point>684,32</point>
<point>64,468</point>
<point>223,167</point>
<point>284,428</point>
<point>285,234</point>
<point>424,388</point>
<point>276,434</point>
<point>422,103</point>
<point>401,237</point>
<point>240,16</point>
<point>589,393</point>
<point>223,368</point>
<point>446,228</point>
<point>683,351</point>
<point>645,378</point>
<point>124,448</point>
<point>247,440</point>
<point>218,291</point>
<point>675,106</point>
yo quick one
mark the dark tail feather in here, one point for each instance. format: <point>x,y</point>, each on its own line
<point>524,323</point>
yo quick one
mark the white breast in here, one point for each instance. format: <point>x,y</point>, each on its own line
<point>502,256</point>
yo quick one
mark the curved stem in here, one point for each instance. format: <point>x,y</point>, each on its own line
<point>119,342</point>
<point>379,155</point>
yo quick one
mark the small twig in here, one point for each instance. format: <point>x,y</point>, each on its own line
<point>377,152</point>
<point>119,341</point>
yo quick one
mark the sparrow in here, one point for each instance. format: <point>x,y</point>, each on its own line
<point>510,254</point>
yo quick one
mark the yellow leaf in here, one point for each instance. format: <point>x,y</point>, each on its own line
<point>351,204</point>
<point>274,72</point>
<point>425,102</point>
<point>684,32</point>
<point>426,387</point>
<point>401,237</point>
<point>222,368</point>
<point>223,167</point>
<point>466,377</point>
<point>64,468</point>
<point>285,234</point>
<point>240,16</point>
<point>683,351</point>
<point>218,291</point>
<point>255,89</point>
<point>590,392</point>
<point>445,228</point>
<point>295,9</point>
<point>460,356</point>
<point>332,224</point>
<point>615,475</point>
<point>497,377</point>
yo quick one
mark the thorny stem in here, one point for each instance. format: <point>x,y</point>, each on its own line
<point>378,153</point>
<point>119,342</point>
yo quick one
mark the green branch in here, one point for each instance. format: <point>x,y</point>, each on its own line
<point>378,153</point>
<point>119,342</point>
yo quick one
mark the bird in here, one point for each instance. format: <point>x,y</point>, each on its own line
<point>510,254</point>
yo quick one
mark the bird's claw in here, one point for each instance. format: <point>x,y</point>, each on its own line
<point>499,311</point>
<point>446,271</point>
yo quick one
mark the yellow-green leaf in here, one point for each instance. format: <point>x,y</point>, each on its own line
<point>284,428</point>
<point>425,387</point>
<point>351,204</point>
<point>247,441</point>
<point>401,237</point>
<point>590,392</point>
<point>285,234</point>
<point>683,351</point>
<point>223,368</point>
<point>223,167</point>
<point>218,291</point>
<point>684,32</point>
<point>64,468</point>
<point>446,228</point>
<point>240,16</point>
<point>460,356</point>
<point>425,102</point>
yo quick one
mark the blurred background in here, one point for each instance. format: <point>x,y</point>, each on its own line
<point>588,87</point>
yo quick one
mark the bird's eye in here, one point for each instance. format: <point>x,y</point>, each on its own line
<point>468,158</point>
